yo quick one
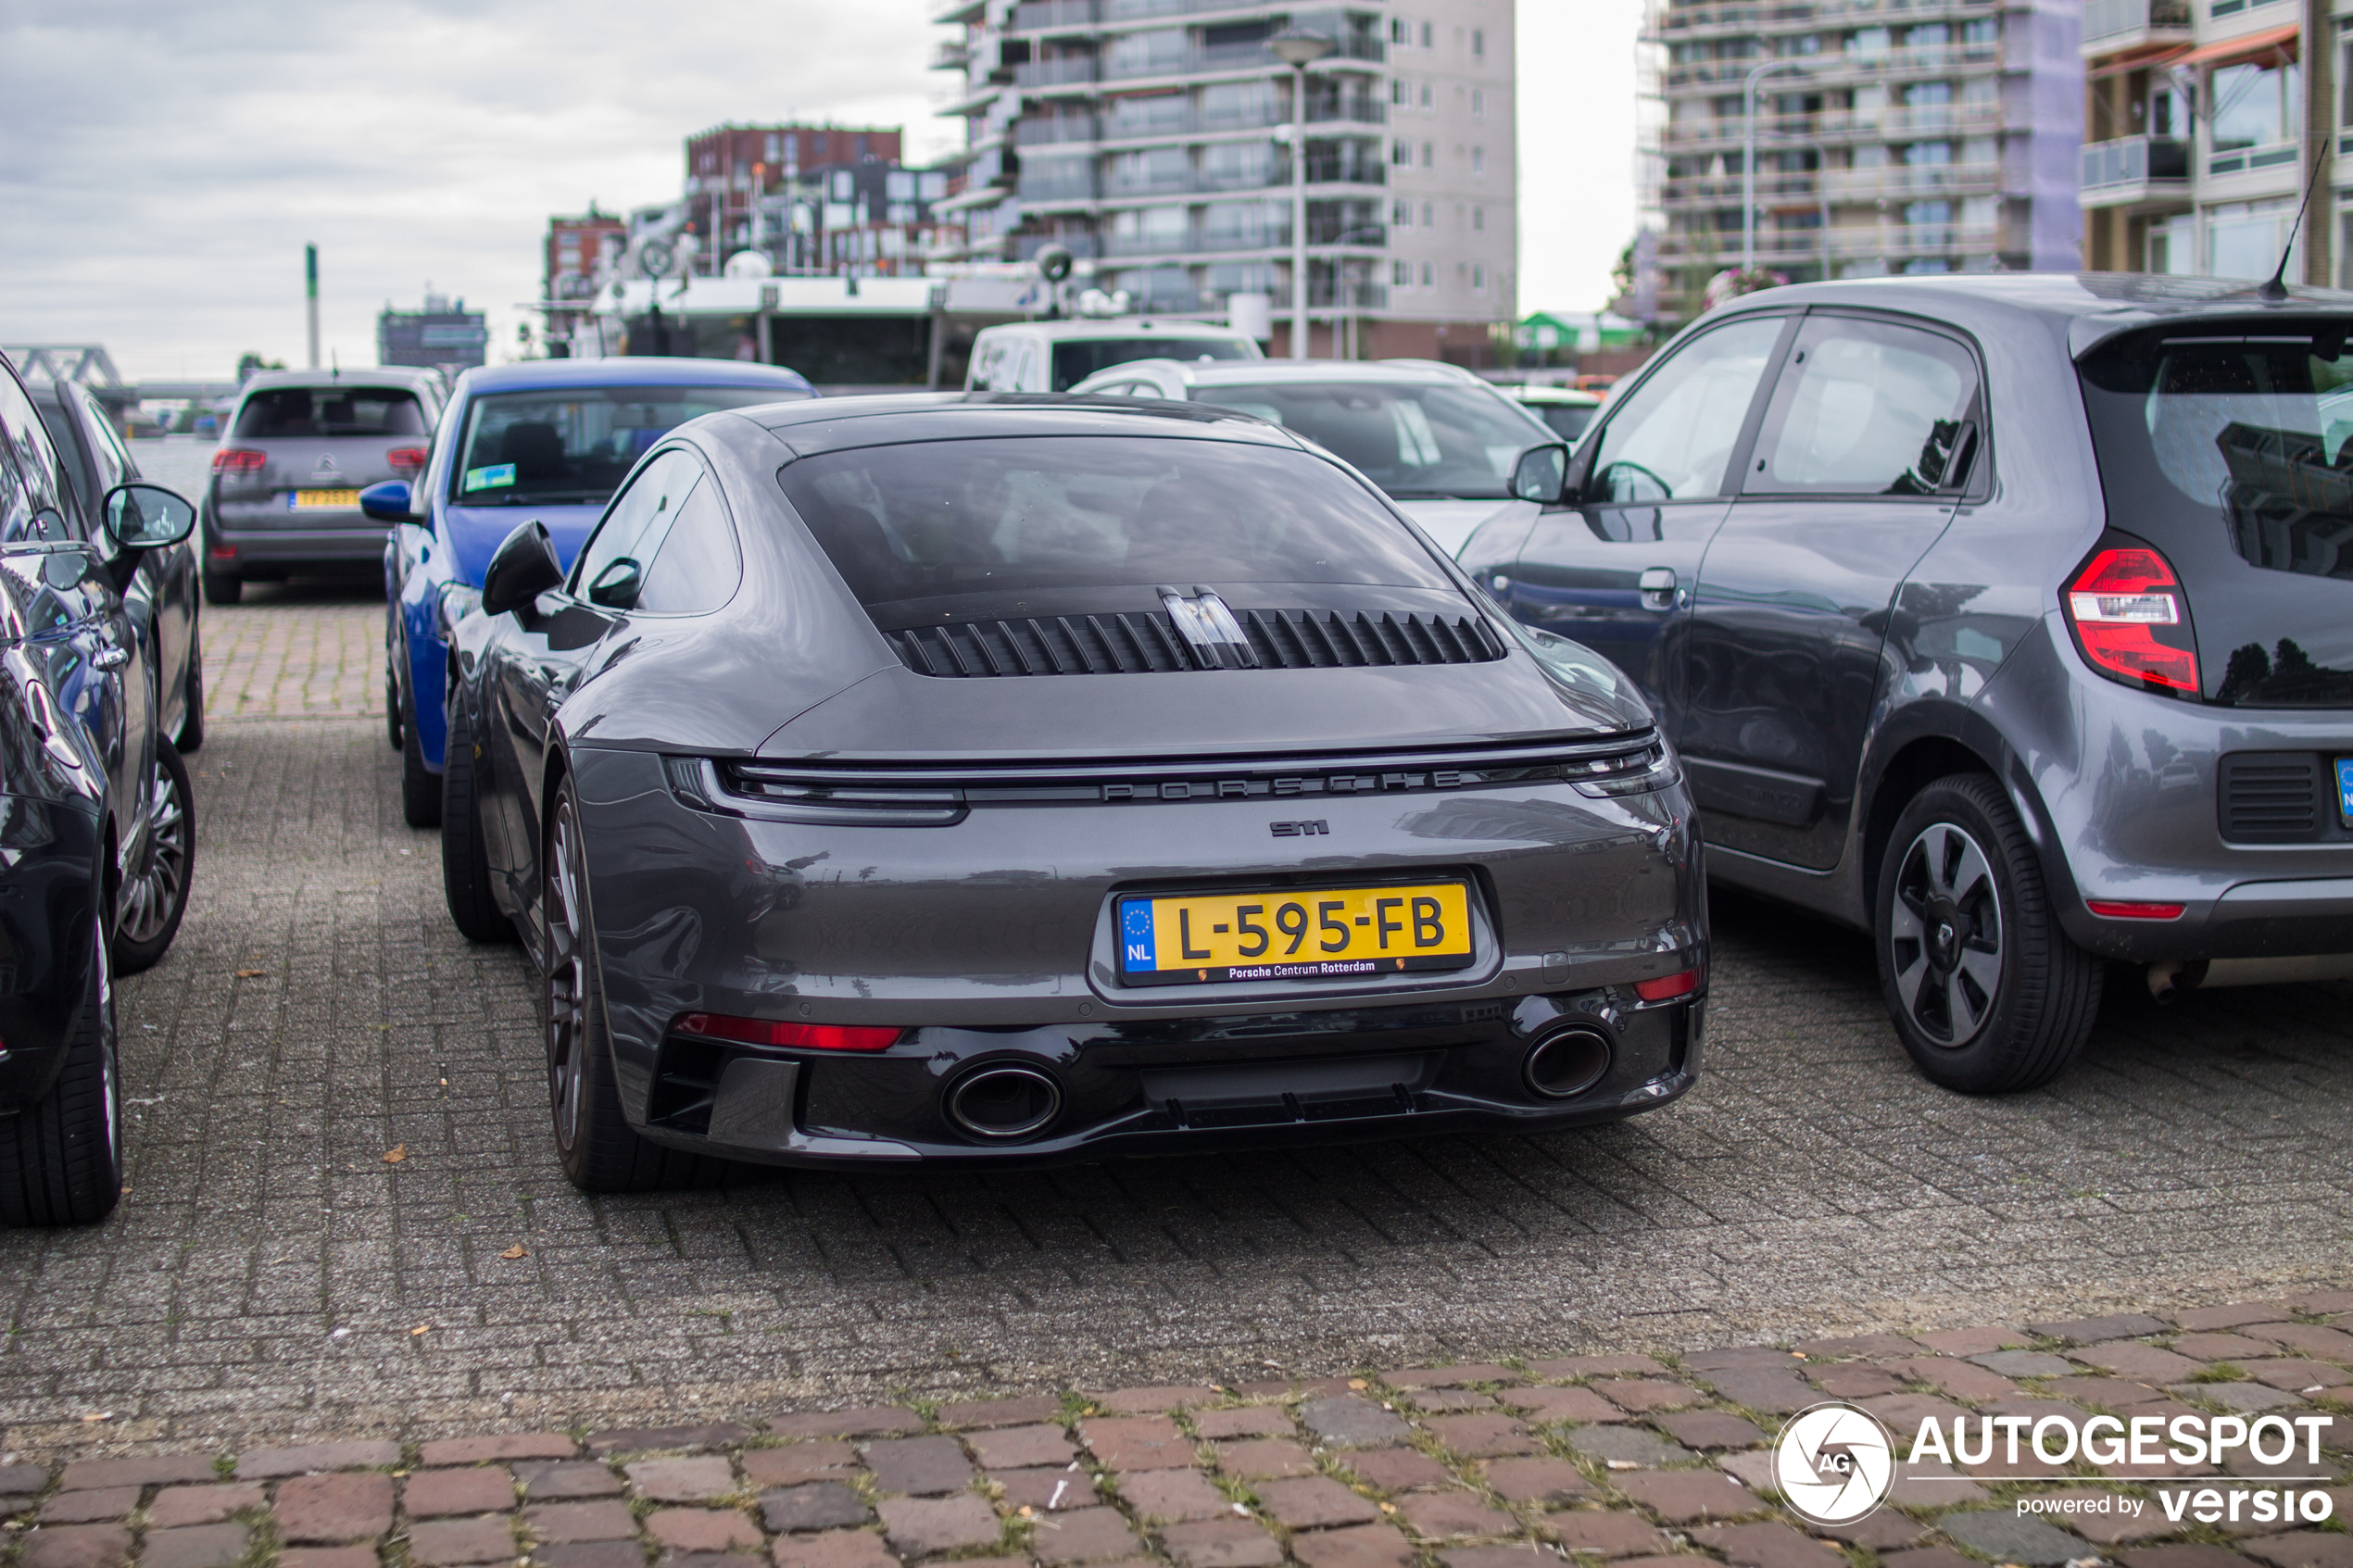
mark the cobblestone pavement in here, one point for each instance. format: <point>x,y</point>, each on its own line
<point>1644,1462</point>
<point>294,650</point>
<point>276,1273</point>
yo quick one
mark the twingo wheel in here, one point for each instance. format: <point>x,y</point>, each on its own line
<point>593,1141</point>
<point>61,1159</point>
<point>1986,992</point>
<point>420,789</point>
<point>154,892</point>
<point>465,859</point>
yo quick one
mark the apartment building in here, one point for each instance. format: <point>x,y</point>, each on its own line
<point>730,168</point>
<point>1147,136</point>
<point>2202,119</point>
<point>1890,136</point>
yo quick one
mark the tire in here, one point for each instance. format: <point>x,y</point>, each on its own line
<point>465,860</point>
<point>1987,994</point>
<point>154,892</point>
<point>220,587</point>
<point>61,1158</point>
<point>190,736</point>
<point>393,731</point>
<point>599,1150</point>
<point>420,787</point>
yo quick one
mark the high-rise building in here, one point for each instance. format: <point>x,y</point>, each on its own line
<point>1148,137</point>
<point>2202,119</point>
<point>1890,136</point>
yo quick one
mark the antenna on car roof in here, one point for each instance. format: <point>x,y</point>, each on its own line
<point>2273,287</point>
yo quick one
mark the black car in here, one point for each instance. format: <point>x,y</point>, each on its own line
<point>83,827</point>
<point>997,778</point>
<point>2009,617</point>
<point>163,596</point>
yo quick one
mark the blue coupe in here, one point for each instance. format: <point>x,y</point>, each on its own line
<point>549,441</point>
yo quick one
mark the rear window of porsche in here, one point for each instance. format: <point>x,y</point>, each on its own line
<point>996,518</point>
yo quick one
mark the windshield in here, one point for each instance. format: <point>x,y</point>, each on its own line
<point>912,526</point>
<point>577,444</point>
<point>1074,361</point>
<point>293,411</point>
<point>1415,440</point>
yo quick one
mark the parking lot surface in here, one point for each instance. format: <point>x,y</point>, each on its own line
<point>345,1215</point>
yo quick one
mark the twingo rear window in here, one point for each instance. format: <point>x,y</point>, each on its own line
<point>294,412</point>
<point>1083,524</point>
<point>2258,427</point>
<point>1074,361</point>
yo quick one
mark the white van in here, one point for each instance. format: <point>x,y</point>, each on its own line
<point>1057,356</point>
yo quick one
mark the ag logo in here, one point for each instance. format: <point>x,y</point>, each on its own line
<point>1834,1464</point>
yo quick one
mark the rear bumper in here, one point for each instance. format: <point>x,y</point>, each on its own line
<point>359,543</point>
<point>1208,1085</point>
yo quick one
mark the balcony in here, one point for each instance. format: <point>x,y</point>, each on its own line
<point>1046,130</point>
<point>1902,241</point>
<point>1220,58</point>
<point>1749,17</point>
<point>951,54</point>
<point>1855,65</point>
<point>1193,122</point>
<point>1054,16</point>
<point>1911,180</point>
<point>1069,71</point>
<point>2130,169</point>
<point>2112,27</point>
<point>2251,160</point>
<point>1062,188</point>
<point>1723,248</point>
<point>1775,189</point>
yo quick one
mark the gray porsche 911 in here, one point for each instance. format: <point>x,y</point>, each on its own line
<point>998,778</point>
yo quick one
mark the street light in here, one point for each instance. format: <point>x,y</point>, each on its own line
<point>1748,158</point>
<point>1299,50</point>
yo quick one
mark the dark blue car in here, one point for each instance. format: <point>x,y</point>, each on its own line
<point>549,441</point>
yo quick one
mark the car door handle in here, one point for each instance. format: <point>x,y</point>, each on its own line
<point>1658,588</point>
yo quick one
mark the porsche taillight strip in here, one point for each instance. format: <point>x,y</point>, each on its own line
<point>1142,642</point>
<point>919,794</point>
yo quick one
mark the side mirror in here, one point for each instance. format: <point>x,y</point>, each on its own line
<point>616,587</point>
<point>145,517</point>
<point>524,567</point>
<point>387,501</point>
<point>1538,474</point>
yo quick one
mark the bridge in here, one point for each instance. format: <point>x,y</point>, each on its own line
<point>90,365</point>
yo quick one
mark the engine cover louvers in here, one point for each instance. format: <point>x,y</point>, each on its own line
<point>1146,642</point>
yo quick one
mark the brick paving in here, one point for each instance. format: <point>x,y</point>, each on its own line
<point>1450,1466</point>
<point>272,1278</point>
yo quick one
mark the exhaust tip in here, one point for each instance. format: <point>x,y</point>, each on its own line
<point>1003,1103</point>
<point>1566,1063</point>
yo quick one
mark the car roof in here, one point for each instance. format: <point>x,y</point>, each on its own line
<point>1142,327</point>
<point>358,375</point>
<point>1220,373</point>
<point>2081,308</point>
<point>838,424</point>
<point>644,370</point>
<point>1564,395</point>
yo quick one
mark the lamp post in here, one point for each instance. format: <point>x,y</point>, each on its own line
<point>1748,158</point>
<point>1345,294</point>
<point>1299,50</point>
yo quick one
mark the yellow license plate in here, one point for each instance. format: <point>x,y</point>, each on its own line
<point>1294,933</point>
<point>303,500</point>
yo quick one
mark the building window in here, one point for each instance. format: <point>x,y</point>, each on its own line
<point>1478,277</point>
<point>1400,93</point>
<point>1430,34</point>
<point>1401,273</point>
<point>1478,163</point>
<point>1402,214</point>
<point>1430,215</point>
<point>1402,152</point>
<point>1479,102</point>
<point>1428,95</point>
<point>1430,155</point>
<point>1400,30</point>
<point>2243,239</point>
<point>1479,43</point>
<point>1430,274</point>
<point>1478,220</point>
<point>2254,106</point>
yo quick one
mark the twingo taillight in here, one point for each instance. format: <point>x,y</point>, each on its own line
<point>2132,617</point>
<point>238,460</point>
<point>405,460</point>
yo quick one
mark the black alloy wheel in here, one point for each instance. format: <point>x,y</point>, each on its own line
<point>465,859</point>
<point>190,736</point>
<point>420,790</point>
<point>154,892</point>
<point>599,1150</point>
<point>1987,994</point>
<point>61,1158</point>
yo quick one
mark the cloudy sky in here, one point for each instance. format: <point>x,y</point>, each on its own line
<point>161,167</point>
